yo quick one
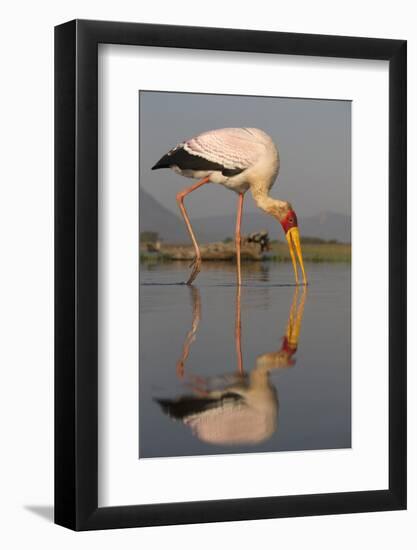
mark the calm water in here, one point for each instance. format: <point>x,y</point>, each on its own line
<point>264,369</point>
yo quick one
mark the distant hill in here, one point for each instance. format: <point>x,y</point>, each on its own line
<point>155,217</point>
<point>325,226</point>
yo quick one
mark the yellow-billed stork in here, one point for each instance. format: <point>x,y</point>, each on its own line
<point>240,408</point>
<point>240,159</point>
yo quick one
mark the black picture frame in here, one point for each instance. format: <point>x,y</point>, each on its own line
<point>76,272</point>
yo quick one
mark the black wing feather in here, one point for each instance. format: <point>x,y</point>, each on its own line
<point>185,161</point>
<point>190,405</point>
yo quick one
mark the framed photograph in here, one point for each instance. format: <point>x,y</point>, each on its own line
<point>230,248</point>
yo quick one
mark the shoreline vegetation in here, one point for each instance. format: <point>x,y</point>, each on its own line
<point>314,250</point>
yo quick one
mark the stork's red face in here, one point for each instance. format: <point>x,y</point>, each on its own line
<point>290,226</point>
<point>289,221</point>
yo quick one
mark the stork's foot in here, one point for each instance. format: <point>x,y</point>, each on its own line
<point>196,265</point>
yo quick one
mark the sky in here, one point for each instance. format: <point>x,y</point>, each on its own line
<point>313,138</point>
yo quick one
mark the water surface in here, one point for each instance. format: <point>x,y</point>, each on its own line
<point>264,369</point>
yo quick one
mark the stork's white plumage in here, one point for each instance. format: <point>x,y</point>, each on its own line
<point>239,159</point>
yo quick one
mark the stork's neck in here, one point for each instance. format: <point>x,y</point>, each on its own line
<point>274,207</point>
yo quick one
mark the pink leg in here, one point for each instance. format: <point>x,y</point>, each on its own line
<point>191,335</point>
<point>238,332</point>
<point>180,200</point>
<point>238,236</point>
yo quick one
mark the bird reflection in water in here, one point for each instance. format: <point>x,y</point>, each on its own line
<point>240,408</point>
